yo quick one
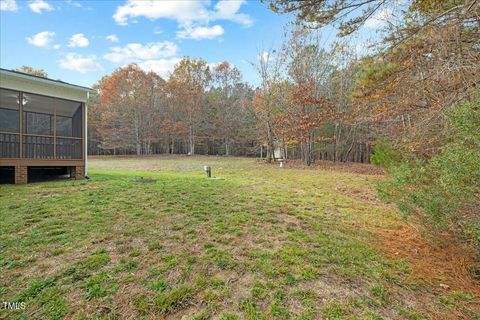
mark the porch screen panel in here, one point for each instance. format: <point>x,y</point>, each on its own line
<point>38,126</point>
<point>69,130</point>
<point>38,114</point>
<point>9,124</point>
<point>38,123</point>
<point>77,126</point>
<point>64,126</point>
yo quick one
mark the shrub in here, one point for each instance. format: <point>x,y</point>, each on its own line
<point>447,186</point>
<point>384,155</point>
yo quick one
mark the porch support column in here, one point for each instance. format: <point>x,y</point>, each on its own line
<point>77,172</point>
<point>20,117</point>
<point>21,174</point>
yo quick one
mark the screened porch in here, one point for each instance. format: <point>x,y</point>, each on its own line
<point>33,126</point>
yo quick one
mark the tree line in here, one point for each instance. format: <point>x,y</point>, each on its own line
<point>297,112</point>
<point>312,102</point>
<point>199,109</point>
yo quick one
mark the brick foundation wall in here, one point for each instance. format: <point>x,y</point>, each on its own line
<point>21,174</point>
<point>78,172</point>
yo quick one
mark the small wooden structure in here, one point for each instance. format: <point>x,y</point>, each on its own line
<point>43,125</point>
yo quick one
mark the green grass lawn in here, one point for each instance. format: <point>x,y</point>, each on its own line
<point>265,243</point>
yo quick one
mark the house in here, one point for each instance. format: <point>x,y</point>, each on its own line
<point>43,128</point>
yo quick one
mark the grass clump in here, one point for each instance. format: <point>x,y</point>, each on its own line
<point>99,285</point>
<point>127,265</point>
<point>98,259</point>
<point>55,306</point>
<point>35,288</point>
<point>333,311</point>
<point>167,302</point>
<point>229,316</point>
<point>251,310</point>
<point>158,285</point>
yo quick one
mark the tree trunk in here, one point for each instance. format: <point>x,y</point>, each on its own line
<point>338,132</point>
<point>270,141</point>
<point>285,151</point>
<point>191,140</point>
<point>227,148</point>
<point>307,149</point>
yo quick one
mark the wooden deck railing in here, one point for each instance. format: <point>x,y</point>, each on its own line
<point>40,146</point>
<point>69,148</point>
<point>9,145</point>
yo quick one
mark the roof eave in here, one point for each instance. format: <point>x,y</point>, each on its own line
<point>46,80</point>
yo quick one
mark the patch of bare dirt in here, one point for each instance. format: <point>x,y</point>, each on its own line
<point>365,195</point>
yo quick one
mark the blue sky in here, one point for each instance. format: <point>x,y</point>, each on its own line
<point>80,41</point>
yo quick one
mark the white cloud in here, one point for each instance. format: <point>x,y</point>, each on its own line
<point>73,3</point>
<point>198,33</point>
<point>379,18</point>
<point>56,47</point>
<point>162,67</point>
<point>78,40</point>
<point>8,5</point>
<point>181,11</point>
<point>41,39</point>
<point>38,6</point>
<point>193,17</point>
<point>134,52</point>
<point>228,10</point>
<point>82,64</point>
<point>112,38</point>
<point>159,57</point>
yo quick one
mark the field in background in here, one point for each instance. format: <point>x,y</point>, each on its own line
<point>265,243</point>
